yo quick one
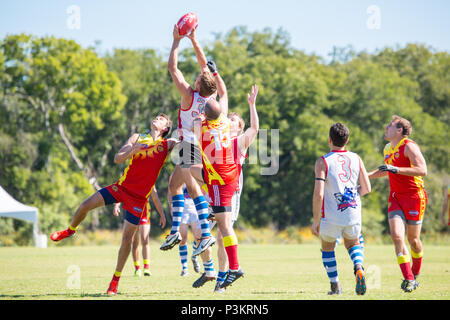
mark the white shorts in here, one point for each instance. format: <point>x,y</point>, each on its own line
<point>189,213</point>
<point>235,205</point>
<point>330,232</point>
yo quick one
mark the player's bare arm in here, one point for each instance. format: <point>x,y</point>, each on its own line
<point>246,139</point>
<point>418,168</point>
<point>171,143</point>
<point>159,208</point>
<point>201,58</point>
<point>319,187</point>
<point>364,181</point>
<point>130,148</point>
<point>197,127</point>
<point>177,76</point>
<point>221,87</point>
<point>377,174</point>
<point>419,165</point>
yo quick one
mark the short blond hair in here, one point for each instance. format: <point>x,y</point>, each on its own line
<point>404,124</point>
<point>207,84</point>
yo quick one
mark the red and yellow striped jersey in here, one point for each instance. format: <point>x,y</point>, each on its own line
<point>143,168</point>
<point>396,156</point>
<point>219,163</point>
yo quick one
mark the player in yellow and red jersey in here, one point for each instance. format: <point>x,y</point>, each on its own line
<point>221,172</point>
<point>406,167</point>
<point>146,155</point>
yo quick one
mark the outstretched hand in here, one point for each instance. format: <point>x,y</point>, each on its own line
<point>252,96</point>
<point>176,34</point>
<point>192,35</point>
<point>388,167</point>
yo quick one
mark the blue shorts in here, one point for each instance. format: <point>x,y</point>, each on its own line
<point>109,199</point>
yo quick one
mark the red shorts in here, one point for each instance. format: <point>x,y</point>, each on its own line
<point>133,204</point>
<point>145,219</point>
<point>412,204</point>
<point>221,195</point>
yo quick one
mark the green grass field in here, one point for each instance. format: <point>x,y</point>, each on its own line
<point>281,272</point>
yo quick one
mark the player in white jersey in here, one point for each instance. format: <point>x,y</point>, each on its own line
<point>337,205</point>
<point>207,85</point>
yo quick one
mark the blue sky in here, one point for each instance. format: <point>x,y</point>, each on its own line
<point>314,26</point>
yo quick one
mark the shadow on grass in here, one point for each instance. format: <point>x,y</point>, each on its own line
<point>95,295</point>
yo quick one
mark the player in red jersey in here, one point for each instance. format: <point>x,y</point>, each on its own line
<point>207,85</point>
<point>405,166</point>
<point>221,171</point>
<point>143,233</point>
<point>146,155</point>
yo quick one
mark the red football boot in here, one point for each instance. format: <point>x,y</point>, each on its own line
<point>59,235</point>
<point>112,290</point>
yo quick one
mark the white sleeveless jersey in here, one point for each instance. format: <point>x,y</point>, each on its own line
<point>341,203</point>
<point>186,117</point>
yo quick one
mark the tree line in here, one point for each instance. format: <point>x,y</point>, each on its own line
<point>65,110</point>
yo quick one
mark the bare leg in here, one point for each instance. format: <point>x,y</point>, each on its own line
<point>135,248</point>
<point>397,228</point>
<point>94,201</point>
<point>413,232</point>
<point>176,182</point>
<point>221,253</point>
<point>145,233</point>
<point>129,230</point>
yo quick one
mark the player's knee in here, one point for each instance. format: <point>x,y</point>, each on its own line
<point>414,242</point>
<point>397,238</point>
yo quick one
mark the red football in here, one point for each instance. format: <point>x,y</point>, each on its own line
<point>187,23</point>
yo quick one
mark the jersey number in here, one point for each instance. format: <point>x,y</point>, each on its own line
<point>221,139</point>
<point>346,172</point>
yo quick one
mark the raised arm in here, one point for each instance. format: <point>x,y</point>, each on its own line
<point>130,148</point>
<point>221,87</point>
<point>201,58</point>
<point>364,181</point>
<point>177,76</point>
<point>319,191</point>
<point>246,139</point>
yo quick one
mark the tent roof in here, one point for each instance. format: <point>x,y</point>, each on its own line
<point>10,207</point>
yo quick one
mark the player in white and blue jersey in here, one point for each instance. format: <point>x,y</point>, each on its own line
<point>337,205</point>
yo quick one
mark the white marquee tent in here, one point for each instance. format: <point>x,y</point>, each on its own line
<point>10,207</point>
